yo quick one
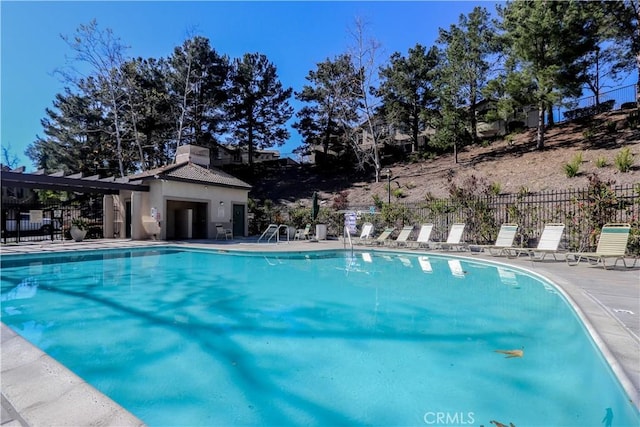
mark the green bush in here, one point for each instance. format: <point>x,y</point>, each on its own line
<point>495,188</point>
<point>589,134</point>
<point>377,201</point>
<point>410,185</point>
<point>572,169</point>
<point>510,139</point>
<point>624,160</point>
<point>601,162</point>
<point>398,193</point>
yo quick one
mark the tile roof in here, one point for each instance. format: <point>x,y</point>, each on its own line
<point>191,172</point>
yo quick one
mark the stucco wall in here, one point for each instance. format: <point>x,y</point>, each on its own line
<point>161,192</point>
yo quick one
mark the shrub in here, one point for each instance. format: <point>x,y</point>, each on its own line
<point>341,200</point>
<point>611,126</point>
<point>495,188</point>
<point>571,169</point>
<point>377,201</point>
<point>601,162</point>
<point>398,193</point>
<point>624,160</point>
<point>589,134</point>
<point>415,158</point>
<point>80,223</point>
<point>510,139</point>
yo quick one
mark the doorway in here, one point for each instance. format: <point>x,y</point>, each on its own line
<point>238,220</point>
<point>186,220</point>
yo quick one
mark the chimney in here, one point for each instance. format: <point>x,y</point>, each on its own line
<point>193,154</point>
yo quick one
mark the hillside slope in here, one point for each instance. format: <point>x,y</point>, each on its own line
<point>511,166</point>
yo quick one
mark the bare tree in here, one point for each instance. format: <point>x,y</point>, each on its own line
<point>105,55</point>
<point>9,158</point>
<point>366,136</point>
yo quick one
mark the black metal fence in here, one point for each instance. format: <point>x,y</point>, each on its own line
<point>583,211</point>
<point>32,222</point>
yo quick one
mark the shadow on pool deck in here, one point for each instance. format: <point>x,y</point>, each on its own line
<point>36,390</point>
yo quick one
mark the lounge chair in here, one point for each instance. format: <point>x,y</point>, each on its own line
<point>549,243</point>
<point>223,232</point>
<point>303,233</point>
<point>383,237</point>
<point>611,245</point>
<point>403,237</point>
<point>423,237</point>
<point>454,240</point>
<point>506,236</point>
<point>365,234</point>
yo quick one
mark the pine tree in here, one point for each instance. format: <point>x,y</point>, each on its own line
<point>258,106</point>
<point>407,91</point>
<point>328,104</point>
<point>545,39</point>
<point>467,48</point>
<point>197,79</point>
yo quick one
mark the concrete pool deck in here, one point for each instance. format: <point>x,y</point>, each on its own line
<point>36,390</point>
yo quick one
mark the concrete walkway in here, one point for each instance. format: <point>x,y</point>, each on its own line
<point>36,390</point>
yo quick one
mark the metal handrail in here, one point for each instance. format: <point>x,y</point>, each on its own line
<point>347,236</point>
<point>274,229</point>
<point>278,232</point>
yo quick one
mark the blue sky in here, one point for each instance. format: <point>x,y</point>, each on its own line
<point>295,36</point>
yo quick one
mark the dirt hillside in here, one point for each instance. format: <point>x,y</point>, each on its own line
<point>510,165</point>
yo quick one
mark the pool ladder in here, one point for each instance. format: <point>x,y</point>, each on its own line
<point>347,237</point>
<point>273,230</point>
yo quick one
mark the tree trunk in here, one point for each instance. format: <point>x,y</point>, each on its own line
<point>550,121</point>
<point>416,146</point>
<point>540,134</point>
<point>473,121</point>
<point>116,124</point>
<point>183,107</point>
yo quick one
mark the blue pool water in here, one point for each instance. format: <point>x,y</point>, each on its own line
<point>198,338</point>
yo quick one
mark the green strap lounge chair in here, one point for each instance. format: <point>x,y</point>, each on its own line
<point>611,245</point>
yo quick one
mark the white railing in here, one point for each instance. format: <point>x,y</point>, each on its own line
<point>347,237</point>
<point>273,230</point>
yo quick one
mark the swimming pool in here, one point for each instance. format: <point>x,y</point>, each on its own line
<point>186,337</point>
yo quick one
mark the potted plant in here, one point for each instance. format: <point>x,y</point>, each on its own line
<point>79,227</point>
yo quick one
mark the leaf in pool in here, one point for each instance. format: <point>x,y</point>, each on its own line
<point>511,353</point>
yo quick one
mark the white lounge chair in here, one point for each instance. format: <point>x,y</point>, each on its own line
<point>549,243</point>
<point>403,237</point>
<point>423,237</point>
<point>506,236</point>
<point>365,234</point>
<point>303,233</point>
<point>454,240</point>
<point>383,237</point>
<point>611,245</point>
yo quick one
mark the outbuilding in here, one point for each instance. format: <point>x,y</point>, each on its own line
<point>185,200</point>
